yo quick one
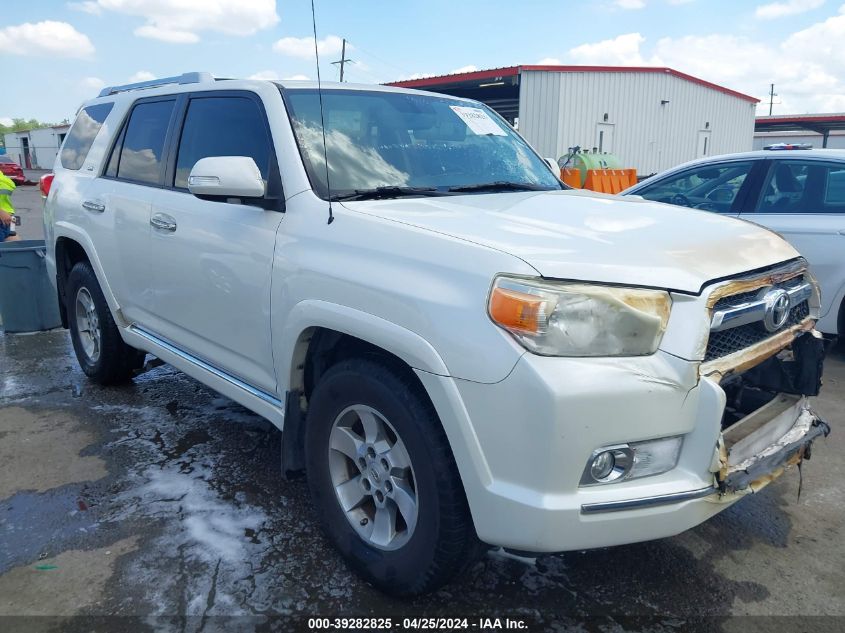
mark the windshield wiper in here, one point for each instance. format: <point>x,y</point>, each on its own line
<point>388,192</point>
<point>499,185</point>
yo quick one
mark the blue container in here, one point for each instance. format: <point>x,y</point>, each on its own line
<point>28,301</point>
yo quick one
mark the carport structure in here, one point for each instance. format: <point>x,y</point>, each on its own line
<point>822,124</point>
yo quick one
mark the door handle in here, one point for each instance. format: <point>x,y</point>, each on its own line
<point>162,222</point>
<point>96,207</point>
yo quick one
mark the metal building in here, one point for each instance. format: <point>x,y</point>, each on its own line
<point>651,118</point>
<point>36,149</point>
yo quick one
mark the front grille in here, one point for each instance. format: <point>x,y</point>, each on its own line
<point>738,338</point>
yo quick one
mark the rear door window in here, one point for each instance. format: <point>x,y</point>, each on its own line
<point>794,186</point>
<point>81,136</point>
<point>222,126</point>
<point>142,150</point>
<point>708,187</point>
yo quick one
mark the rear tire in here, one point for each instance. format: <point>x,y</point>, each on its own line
<point>371,428</point>
<point>100,350</point>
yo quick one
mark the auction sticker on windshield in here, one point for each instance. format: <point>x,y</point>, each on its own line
<point>478,121</point>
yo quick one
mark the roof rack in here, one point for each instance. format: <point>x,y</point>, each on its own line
<point>184,78</point>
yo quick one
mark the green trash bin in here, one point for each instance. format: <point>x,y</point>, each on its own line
<point>28,300</point>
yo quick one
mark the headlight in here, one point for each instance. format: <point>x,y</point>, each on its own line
<point>569,319</point>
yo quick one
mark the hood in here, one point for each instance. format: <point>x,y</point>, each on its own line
<point>594,237</point>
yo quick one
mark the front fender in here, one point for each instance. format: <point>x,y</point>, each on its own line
<point>310,313</point>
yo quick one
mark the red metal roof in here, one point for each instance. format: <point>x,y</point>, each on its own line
<point>510,71</point>
<point>802,118</point>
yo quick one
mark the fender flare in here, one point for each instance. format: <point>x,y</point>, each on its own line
<point>72,232</point>
<point>310,313</point>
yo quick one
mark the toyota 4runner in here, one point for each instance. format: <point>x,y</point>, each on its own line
<point>460,352</point>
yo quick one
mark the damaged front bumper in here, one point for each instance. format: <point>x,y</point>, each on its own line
<point>768,424</point>
<point>536,429</point>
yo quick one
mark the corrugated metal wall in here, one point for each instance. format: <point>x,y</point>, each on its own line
<point>558,110</point>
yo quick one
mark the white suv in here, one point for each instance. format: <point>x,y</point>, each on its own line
<point>459,352</point>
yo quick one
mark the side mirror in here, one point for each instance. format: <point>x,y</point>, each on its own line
<point>226,177</point>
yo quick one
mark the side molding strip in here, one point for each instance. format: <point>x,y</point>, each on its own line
<point>258,393</point>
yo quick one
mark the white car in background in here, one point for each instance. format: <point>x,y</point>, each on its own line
<point>800,193</point>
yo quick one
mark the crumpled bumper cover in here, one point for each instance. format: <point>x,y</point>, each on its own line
<point>790,450</point>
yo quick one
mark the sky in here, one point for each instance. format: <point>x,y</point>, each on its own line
<point>56,54</point>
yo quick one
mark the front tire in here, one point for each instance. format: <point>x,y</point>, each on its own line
<point>384,481</point>
<point>100,350</point>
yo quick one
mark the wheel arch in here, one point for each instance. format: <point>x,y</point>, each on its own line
<point>318,335</point>
<point>72,246</point>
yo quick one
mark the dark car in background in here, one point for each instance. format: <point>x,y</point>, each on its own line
<point>10,168</point>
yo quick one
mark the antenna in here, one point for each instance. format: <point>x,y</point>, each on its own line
<point>322,118</point>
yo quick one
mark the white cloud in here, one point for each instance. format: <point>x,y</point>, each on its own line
<point>93,83</point>
<point>303,47</point>
<point>630,4</point>
<point>550,61</point>
<point>6,120</point>
<point>181,21</point>
<point>141,75</point>
<point>471,68</point>
<point>173,36</point>
<point>623,50</point>
<point>807,67</point>
<point>264,74</point>
<point>272,75</point>
<point>88,6</point>
<point>47,38</point>
<point>789,7</point>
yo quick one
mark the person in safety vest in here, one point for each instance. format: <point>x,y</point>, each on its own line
<point>7,211</point>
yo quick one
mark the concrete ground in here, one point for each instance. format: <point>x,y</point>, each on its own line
<point>162,498</point>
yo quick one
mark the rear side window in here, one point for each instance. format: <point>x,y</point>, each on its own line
<point>835,190</point>
<point>81,136</point>
<point>141,151</point>
<point>222,126</point>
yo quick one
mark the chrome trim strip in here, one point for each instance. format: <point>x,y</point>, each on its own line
<point>646,502</point>
<point>258,393</point>
<point>753,311</point>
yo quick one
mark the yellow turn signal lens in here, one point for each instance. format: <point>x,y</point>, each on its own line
<point>518,310</point>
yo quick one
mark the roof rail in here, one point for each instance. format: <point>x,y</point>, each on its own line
<point>184,78</point>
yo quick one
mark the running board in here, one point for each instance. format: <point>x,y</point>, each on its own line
<point>255,399</point>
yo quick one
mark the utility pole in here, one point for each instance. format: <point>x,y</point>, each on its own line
<point>343,60</point>
<point>772,95</point>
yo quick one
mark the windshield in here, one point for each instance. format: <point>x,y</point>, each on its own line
<point>409,144</point>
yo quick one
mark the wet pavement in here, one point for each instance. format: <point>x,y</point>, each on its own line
<point>161,498</point>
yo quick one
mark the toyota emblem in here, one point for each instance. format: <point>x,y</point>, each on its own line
<point>778,304</point>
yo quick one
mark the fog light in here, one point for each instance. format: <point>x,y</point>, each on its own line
<point>607,464</point>
<point>602,465</point>
<point>630,461</point>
